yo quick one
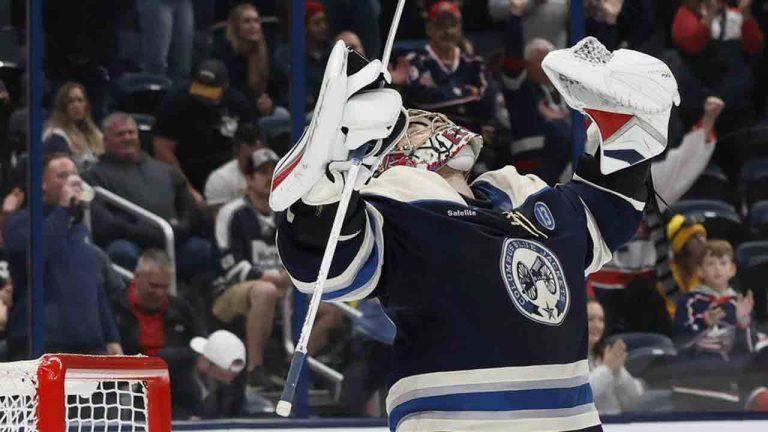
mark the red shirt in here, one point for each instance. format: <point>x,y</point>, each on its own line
<point>151,324</point>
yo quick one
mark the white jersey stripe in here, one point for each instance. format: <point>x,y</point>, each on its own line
<point>490,376</point>
<point>504,421</point>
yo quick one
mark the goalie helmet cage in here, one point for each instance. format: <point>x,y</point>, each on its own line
<point>64,392</point>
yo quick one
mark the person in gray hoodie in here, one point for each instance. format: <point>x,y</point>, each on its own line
<point>613,388</point>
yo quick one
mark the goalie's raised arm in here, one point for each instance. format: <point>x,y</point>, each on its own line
<point>348,115</point>
<point>628,97</point>
<point>308,182</point>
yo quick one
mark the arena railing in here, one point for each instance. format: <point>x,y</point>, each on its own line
<point>134,209</point>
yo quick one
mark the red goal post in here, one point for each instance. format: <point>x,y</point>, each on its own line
<point>64,392</point>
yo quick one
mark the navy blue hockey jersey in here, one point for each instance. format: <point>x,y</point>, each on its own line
<point>487,294</point>
<point>245,240</point>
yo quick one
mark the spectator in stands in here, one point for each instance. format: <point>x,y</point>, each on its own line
<point>196,122</point>
<point>442,78</point>
<point>687,239</point>
<point>220,359</point>
<point>167,30</point>
<point>716,332</point>
<point>627,285</point>
<point>713,304</point>
<point>154,323</point>
<point>543,19</point>
<point>77,313</point>
<point>245,54</point>
<point>252,275</point>
<point>539,118</point>
<point>614,389</point>
<point>617,23</point>
<point>227,183</point>
<point>360,17</point>
<point>71,129</point>
<point>317,47</point>
<point>713,38</point>
<point>151,321</point>
<point>11,204</point>
<point>129,172</point>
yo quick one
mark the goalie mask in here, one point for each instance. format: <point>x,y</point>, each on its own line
<point>627,94</point>
<point>433,141</point>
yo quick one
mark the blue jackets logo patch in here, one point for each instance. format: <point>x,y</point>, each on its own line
<point>535,281</point>
<point>544,216</point>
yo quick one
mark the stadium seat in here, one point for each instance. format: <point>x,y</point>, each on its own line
<point>10,47</point>
<point>758,220</point>
<point>754,176</point>
<point>644,350</point>
<point>144,123</point>
<point>712,184</point>
<point>720,218</point>
<point>139,92</point>
<point>749,144</point>
<point>276,134</point>
<point>752,261</point>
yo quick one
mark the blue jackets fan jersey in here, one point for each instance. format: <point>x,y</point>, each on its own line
<point>487,294</point>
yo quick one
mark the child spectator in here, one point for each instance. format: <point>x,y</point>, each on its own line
<point>71,129</point>
<point>713,317</point>
<point>614,389</point>
<point>716,337</point>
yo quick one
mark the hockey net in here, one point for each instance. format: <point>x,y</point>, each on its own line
<point>85,393</point>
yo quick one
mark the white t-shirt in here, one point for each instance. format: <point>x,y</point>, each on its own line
<point>225,184</point>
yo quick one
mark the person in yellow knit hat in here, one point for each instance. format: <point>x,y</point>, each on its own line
<point>687,238</point>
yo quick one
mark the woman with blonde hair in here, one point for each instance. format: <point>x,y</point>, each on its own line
<point>71,129</point>
<point>244,51</point>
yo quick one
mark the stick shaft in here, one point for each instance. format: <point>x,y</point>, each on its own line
<point>299,355</point>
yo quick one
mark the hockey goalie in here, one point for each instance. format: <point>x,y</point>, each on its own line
<point>484,281</point>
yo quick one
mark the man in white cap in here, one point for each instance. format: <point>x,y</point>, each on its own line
<point>221,359</point>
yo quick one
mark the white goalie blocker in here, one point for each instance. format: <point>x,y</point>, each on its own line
<point>628,96</point>
<point>346,117</point>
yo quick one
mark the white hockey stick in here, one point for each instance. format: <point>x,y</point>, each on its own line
<point>300,354</point>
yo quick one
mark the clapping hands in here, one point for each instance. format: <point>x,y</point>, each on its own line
<point>615,355</point>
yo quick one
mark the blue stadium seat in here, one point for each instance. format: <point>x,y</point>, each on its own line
<point>712,184</point>
<point>748,144</point>
<point>720,218</point>
<point>139,92</point>
<point>758,220</point>
<point>644,350</point>
<point>752,261</point>
<point>754,176</point>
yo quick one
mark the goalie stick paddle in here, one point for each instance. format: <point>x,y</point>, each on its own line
<point>300,353</point>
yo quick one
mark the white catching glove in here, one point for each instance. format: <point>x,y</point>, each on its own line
<point>345,118</point>
<point>627,94</point>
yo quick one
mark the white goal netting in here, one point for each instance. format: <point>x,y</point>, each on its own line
<point>87,399</point>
